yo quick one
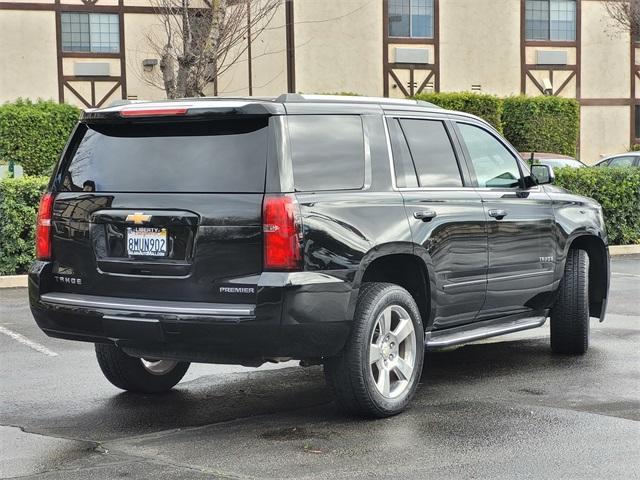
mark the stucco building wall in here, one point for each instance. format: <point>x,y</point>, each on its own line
<point>28,65</point>
<point>605,55</point>
<point>338,47</point>
<point>139,31</point>
<point>604,130</point>
<point>316,46</point>
<point>480,46</point>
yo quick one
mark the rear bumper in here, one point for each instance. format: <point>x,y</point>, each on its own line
<point>300,315</point>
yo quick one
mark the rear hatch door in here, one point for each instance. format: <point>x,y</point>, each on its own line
<point>164,209</point>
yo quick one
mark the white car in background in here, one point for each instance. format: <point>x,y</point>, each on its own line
<point>553,160</point>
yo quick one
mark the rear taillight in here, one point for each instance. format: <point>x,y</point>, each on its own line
<point>282,229</point>
<point>43,227</point>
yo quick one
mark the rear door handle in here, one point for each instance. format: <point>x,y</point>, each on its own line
<point>497,213</point>
<point>425,215</point>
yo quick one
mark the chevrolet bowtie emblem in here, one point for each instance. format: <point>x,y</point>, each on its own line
<point>138,218</point>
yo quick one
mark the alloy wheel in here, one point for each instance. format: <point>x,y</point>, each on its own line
<point>158,367</point>
<point>392,351</point>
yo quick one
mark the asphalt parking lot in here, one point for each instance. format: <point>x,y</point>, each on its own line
<point>505,408</point>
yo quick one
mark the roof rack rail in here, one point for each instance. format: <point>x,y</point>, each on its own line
<point>424,103</point>
<point>119,102</point>
<point>296,97</point>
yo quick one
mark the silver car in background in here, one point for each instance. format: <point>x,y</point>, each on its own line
<point>628,159</point>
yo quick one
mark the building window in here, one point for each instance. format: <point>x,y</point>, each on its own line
<point>411,18</point>
<point>551,20</point>
<point>637,112</point>
<point>90,32</point>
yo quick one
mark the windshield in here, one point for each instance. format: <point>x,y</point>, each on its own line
<point>561,162</point>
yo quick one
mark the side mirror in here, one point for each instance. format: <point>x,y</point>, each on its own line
<point>542,174</point>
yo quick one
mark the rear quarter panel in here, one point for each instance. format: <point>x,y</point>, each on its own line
<point>344,231</point>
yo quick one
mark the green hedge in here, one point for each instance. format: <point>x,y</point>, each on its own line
<point>542,124</point>
<point>487,107</point>
<point>19,199</point>
<point>617,190</point>
<point>531,124</point>
<point>34,134</point>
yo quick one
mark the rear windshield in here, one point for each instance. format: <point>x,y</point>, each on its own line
<point>213,156</point>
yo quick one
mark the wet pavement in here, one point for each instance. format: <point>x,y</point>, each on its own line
<point>504,408</point>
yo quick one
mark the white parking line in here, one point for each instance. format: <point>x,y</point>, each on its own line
<point>625,274</point>
<point>29,343</point>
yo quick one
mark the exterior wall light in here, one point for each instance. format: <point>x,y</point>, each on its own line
<point>149,63</point>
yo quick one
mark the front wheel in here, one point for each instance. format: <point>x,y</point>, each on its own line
<point>138,374</point>
<point>570,314</point>
<point>378,371</point>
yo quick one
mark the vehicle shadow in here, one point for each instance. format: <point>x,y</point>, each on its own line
<point>494,359</point>
<point>518,366</point>
<point>470,399</point>
<point>525,365</point>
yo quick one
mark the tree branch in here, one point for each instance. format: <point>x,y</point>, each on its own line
<point>625,14</point>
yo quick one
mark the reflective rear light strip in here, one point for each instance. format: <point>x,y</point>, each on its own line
<point>153,112</point>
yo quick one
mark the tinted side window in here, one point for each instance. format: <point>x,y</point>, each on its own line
<point>432,153</point>
<point>493,163</point>
<point>405,171</point>
<point>327,152</point>
<point>621,162</point>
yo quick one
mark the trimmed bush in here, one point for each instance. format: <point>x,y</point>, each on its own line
<point>531,124</point>
<point>34,134</point>
<point>542,124</point>
<point>19,199</point>
<point>617,190</point>
<point>487,107</point>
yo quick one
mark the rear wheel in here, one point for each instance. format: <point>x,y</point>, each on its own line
<point>138,374</point>
<point>379,369</point>
<point>570,314</point>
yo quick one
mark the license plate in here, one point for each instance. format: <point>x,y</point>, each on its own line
<point>149,242</point>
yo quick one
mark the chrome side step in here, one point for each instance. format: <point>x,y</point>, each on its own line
<point>480,330</point>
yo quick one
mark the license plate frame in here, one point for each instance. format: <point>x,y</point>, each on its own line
<point>151,242</point>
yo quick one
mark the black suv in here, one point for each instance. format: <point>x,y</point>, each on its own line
<point>352,232</point>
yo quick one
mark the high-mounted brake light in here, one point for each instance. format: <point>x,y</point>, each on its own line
<point>282,230</point>
<point>153,112</point>
<point>43,227</point>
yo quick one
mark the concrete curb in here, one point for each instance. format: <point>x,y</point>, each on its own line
<point>13,281</point>
<point>20,281</point>
<point>624,249</point>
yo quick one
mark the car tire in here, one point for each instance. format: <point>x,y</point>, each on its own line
<point>379,369</point>
<point>570,313</point>
<point>137,374</point>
